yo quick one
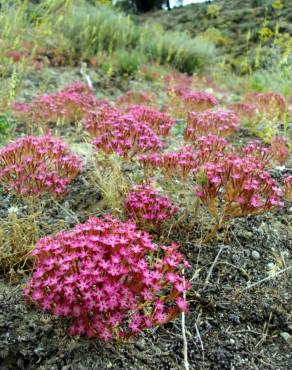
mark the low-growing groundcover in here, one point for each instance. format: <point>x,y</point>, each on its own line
<point>224,327</point>
<point>145,221</point>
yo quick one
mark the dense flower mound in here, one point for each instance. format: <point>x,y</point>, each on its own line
<point>220,122</point>
<point>99,275</point>
<point>269,105</point>
<point>38,165</point>
<point>68,105</point>
<point>122,134</point>
<point>147,208</point>
<point>135,98</point>
<point>237,186</point>
<point>160,122</point>
<point>288,188</point>
<point>246,112</point>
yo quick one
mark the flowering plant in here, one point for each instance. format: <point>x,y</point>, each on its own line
<point>160,122</point>
<point>185,160</point>
<point>184,101</point>
<point>277,152</point>
<point>101,277</point>
<point>260,152</point>
<point>147,208</point>
<point>220,122</point>
<point>68,105</point>
<point>179,163</point>
<point>237,186</point>
<point>38,165</point>
<point>245,111</point>
<point>280,149</point>
<point>198,101</point>
<point>135,97</point>
<point>269,105</point>
<point>288,188</point>
<point>120,133</point>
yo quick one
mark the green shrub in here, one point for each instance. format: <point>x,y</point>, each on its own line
<point>128,63</point>
<point>76,30</point>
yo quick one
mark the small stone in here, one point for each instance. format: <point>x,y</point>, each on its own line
<point>255,255</point>
<point>287,337</point>
<point>232,341</point>
<point>270,266</point>
<point>234,318</point>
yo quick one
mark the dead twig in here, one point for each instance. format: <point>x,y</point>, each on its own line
<point>201,342</point>
<point>266,279</point>
<point>212,267</point>
<point>183,329</point>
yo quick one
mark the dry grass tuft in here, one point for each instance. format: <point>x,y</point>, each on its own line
<point>109,177</point>
<point>17,238</point>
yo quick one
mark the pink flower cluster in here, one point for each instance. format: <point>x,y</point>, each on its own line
<point>246,111</point>
<point>211,148</point>
<point>100,276</point>
<point>260,152</point>
<point>15,55</point>
<point>236,186</point>
<point>147,208</point>
<point>103,113</point>
<point>198,101</point>
<point>269,105</point>
<point>185,160</point>
<point>179,163</point>
<point>288,188</point>
<point>68,105</point>
<point>183,101</point>
<point>177,83</point>
<point>121,133</point>
<point>160,122</point>
<point>38,165</point>
<point>277,152</point>
<point>280,149</point>
<point>135,98</point>
<point>220,122</point>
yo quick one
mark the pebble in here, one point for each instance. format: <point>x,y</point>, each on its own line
<point>255,255</point>
<point>270,266</point>
<point>232,341</point>
<point>287,337</point>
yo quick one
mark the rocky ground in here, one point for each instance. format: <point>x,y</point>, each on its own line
<point>240,301</point>
<point>231,324</point>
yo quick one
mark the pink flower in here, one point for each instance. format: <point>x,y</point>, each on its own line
<point>101,296</point>
<point>38,165</point>
<point>237,186</point>
<point>68,105</point>
<point>182,304</point>
<point>147,207</point>
<point>220,122</point>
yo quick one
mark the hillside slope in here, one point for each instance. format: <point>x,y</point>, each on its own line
<point>226,22</point>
